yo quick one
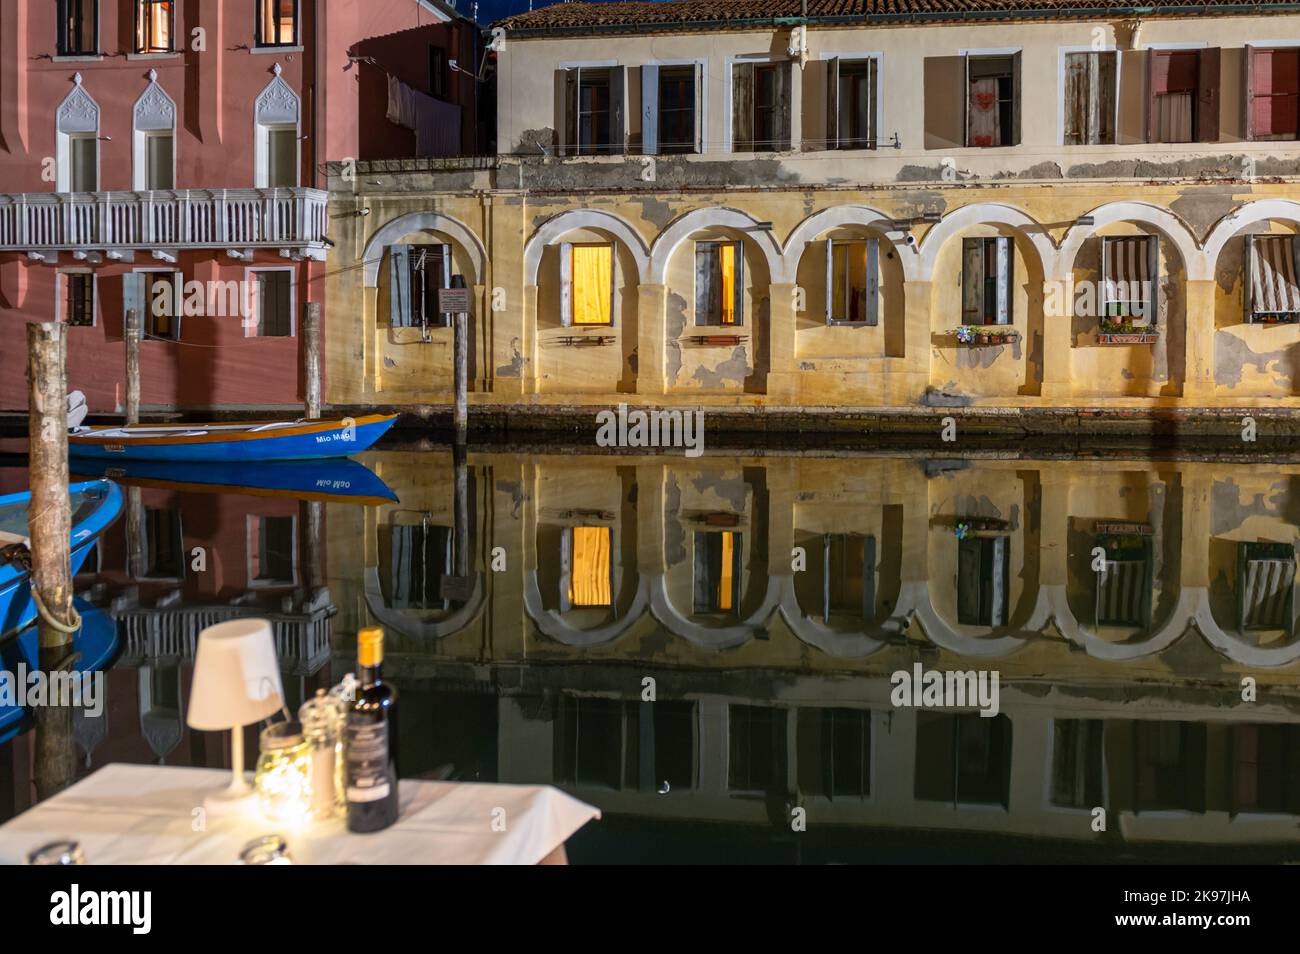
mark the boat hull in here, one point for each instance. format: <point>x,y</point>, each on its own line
<point>308,440</point>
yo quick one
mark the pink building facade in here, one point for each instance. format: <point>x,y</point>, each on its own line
<point>168,156</point>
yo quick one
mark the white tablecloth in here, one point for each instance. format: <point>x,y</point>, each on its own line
<point>144,814</point>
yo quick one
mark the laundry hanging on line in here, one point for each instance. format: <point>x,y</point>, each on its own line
<point>436,124</point>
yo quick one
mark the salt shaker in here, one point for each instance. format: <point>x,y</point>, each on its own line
<point>322,725</point>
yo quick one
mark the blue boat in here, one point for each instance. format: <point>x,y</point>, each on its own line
<point>96,645</point>
<point>95,505</point>
<point>335,481</point>
<point>234,442</point>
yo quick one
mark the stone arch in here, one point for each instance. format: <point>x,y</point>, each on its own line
<point>1261,210</point>
<point>553,228</point>
<point>457,231</point>
<point>1172,227</point>
<point>417,628</point>
<point>987,213</point>
<point>712,637</point>
<point>841,216</point>
<point>554,626</point>
<point>714,218</point>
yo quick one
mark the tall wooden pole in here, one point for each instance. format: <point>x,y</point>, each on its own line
<point>134,333</point>
<point>462,380</point>
<point>311,356</point>
<point>460,494</point>
<point>49,527</point>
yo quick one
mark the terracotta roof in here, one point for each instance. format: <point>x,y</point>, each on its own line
<point>722,14</point>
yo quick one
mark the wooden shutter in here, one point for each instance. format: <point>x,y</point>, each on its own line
<point>399,286</point>
<point>1208,82</point>
<point>1107,289</point>
<point>708,262</point>
<point>566,569</point>
<point>568,82</point>
<point>566,284</point>
<point>945,95</point>
<point>699,108</point>
<point>178,302</point>
<point>133,298</point>
<point>1249,89</point>
<point>1153,276</point>
<point>738,314</point>
<point>1157,73</point>
<point>1015,100</point>
<point>784,86</point>
<point>1076,99</point>
<point>1248,280</point>
<point>649,110</point>
<point>830,281</point>
<point>972,281</point>
<point>617,110</point>
<point>833,103</point>
<point>742,107</point>
<point>444,280</point>
<point>873,81</point>
<point>1003,291</point>
<point>873,282</point>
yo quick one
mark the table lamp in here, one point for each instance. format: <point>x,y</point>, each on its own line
<point>236,683</point>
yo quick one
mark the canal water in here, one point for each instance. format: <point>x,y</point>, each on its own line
<point>720,652</point>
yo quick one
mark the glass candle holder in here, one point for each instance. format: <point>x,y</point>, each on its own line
<point>283,777</point>
<point>322,726</point>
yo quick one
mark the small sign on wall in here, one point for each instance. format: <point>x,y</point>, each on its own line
<point>453,301</point>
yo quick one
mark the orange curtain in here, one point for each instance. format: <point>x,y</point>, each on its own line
<point>727,259</point>
<point>589,582</point>
<point>727,582</point>
<point>593,284</point>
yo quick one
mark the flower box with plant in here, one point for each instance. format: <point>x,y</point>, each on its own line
<point>973,335</point>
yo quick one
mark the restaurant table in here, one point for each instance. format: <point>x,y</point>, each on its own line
<point>146,814</point>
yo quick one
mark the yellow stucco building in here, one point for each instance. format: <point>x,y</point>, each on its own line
<point>849,210</point>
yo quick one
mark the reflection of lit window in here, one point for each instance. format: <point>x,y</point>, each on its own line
<point>717,571</point>
<point>757,748</point>
<point>587,284</point>
<point>983,580</point>
<point>277,23</point>
<point>1265,585</point>
<point>719,283</point>
<point>585,559</point>
<point>963,759</point>
<point>1077,763</point>
<point>1170,759</point>
<point>835,752</point>
<point>153,26</point>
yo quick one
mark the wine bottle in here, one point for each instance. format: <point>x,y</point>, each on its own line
<point>372,741</point>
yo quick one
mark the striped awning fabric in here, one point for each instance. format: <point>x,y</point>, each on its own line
<point>1265,593</point>
<point>1128,272</point>
<point>1273,276</point>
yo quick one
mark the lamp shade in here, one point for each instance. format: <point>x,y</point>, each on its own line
<point>236,676</point>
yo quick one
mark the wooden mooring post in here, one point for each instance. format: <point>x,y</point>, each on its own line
<point>134,333</point>
<point>49,528</point>
<point>311,342</point>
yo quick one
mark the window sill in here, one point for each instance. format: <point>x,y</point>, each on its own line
<point>174,54</point>
<point>78,58</point>
<point>261,50</point>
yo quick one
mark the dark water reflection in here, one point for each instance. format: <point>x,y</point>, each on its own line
<point>764,603</point>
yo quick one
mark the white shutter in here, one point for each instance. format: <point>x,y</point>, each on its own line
<point>873,282</point>
<point>649,110</point>
<point>1003,280</point>
<point>830,281</point>
<point>566,284</point>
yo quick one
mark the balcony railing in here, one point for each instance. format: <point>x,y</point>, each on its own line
<point>182,218</point>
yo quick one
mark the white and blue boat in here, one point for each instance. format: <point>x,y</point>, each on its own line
<point>95,505</point>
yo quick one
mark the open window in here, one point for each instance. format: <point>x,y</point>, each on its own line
<point>586,568</point>
<point>594,122</point>
<point>718,572</point>
<point>1129,267</point>
<point>1265,586</point>
<point>78,299</point>
<point>986,281</point>
<point>277,23</point>
<point>719,283</point>
<point>155,26</point>
<point>983,579</point>
<point>416,273</point>
<point>1078,763</point>
<point>155,294</point>
<point>1123,588</point>
<point>671,109</point>
<point>1272,291</point>
<point>992,100</point>
<point>587,284</point>
<point>963,759</point>
<point>851,100</point>
<point>1090,98</point>
<point>760,107</point>
<point>853,282</point>
<point>1272,93</point>
<point>1183,89</point>
<point>78,28</point>
<point>834,747</point>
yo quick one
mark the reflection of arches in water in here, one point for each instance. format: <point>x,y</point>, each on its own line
<point>421,628</point>
<point>553,624</point>
<point>712,636</point>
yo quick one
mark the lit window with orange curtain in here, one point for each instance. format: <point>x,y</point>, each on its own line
<point>719,279</point>
<point>728,267</point>
<point>277,23</point>
<point>717,571</point>
<point>593,284</point>
<point>153,26</point>
<point>589,576</point>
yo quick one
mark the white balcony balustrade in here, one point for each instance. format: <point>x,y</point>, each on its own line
<point>292,218</point>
